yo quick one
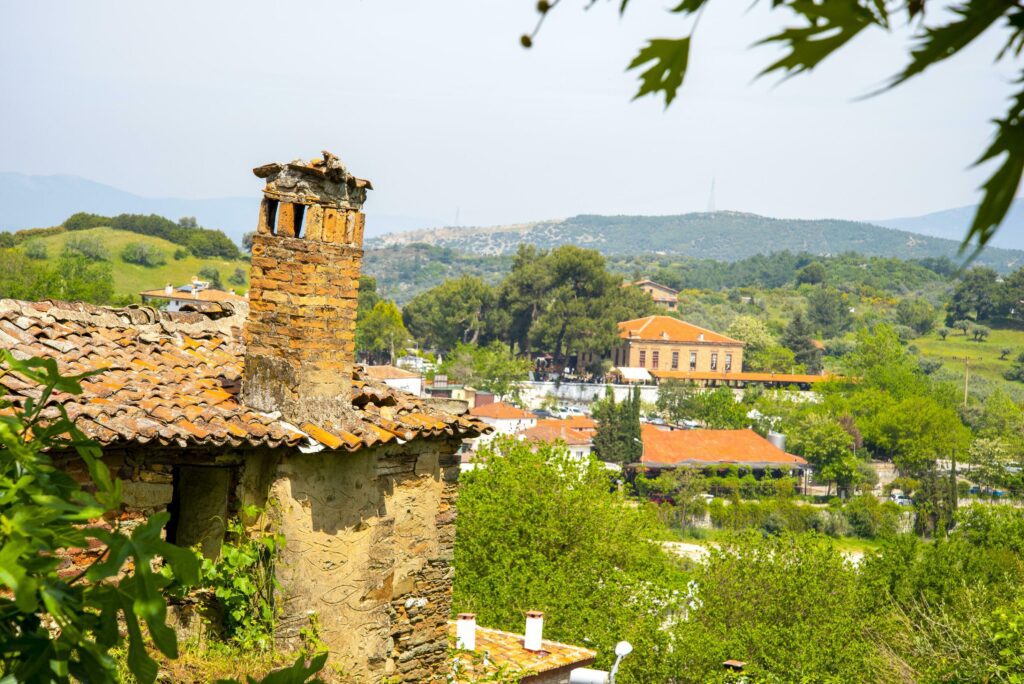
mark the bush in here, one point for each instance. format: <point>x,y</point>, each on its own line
<point>36,249</point>
<point>6,239</point>
<point>90,248</point>
<point>180,253</point>
<point>238,277</point>
<point>142,254</point>
<point>869,518</point>
<point>212,275</point>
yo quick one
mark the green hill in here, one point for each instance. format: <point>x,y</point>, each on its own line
<point>723,236</point>
<point>134,278</point>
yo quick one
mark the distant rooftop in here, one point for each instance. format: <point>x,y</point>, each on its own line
<point>499,410</point>
<point>505,649</point>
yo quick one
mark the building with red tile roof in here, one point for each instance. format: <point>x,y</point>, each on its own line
<point>656,343</point>
<point>260,402</point>
<point>667,448</point>
<point>549,665</point>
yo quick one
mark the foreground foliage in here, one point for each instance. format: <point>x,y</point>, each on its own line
<point>60,627</point>
<point>539,530</point>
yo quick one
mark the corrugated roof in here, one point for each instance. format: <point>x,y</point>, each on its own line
<point>710,447</point>
<point>499,410</point>
<point>505,649</point>
<point>798,378</point>
<point>667,328</point>
<point>173,378</point>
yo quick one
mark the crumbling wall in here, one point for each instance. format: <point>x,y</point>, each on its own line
<point>369,545</point>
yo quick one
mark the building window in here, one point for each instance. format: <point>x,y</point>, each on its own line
<point>714,361</point>
<point>675,360</point>
<point>654,359</point>
<point>643,358</point>
<point>693,360</point>
<point>728,362</point>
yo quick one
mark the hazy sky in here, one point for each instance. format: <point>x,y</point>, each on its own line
<point>437,104</point>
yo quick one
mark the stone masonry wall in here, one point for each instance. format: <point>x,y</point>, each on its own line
<point>300,334</point>
<point>370,537</point>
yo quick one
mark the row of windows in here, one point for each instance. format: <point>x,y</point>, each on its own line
<point>656,360</point>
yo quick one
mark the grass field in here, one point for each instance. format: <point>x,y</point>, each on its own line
<point>133,278</point>
<point>983,356</point>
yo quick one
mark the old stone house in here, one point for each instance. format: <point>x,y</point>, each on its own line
<point>202,413</point>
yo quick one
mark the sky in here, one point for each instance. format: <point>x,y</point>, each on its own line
<point>439,106</point>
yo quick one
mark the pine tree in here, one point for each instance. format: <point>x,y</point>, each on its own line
<point>799,338</point>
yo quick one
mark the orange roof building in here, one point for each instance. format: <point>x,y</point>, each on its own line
<point>200,413</point>
<point>657,343</point>
<point>703,448</point>
<point>500,410</point>
<point>553,431</point>
<point>506,650</point>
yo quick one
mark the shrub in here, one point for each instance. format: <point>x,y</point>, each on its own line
<point>212,275</point>
<point>90,248</point>
<point>238,277</point>
<point>180,254</point>
<point>142,254</point>
<point>36,249</point>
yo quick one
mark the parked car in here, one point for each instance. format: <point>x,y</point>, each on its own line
<point>902,500</point>
<point>541,414</point>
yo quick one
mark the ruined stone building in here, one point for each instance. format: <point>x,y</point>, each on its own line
<point>202,413</point>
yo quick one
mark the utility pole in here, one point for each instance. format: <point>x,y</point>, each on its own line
<point>967,376</point>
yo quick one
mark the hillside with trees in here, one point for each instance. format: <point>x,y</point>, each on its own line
<point>720,236</point>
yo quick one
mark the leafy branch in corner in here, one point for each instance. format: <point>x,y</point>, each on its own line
<point>820,29</point>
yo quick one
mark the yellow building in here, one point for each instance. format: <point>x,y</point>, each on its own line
<point>666,343</point>
<point>662,295</point>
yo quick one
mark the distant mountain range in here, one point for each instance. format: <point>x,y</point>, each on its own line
<point>40,201</point>
<point>43,201</point>
<point>953,224</point>
<point>723,235</point>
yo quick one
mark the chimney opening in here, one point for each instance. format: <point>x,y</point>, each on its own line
<point>272,215</point>
<point>300,212</point>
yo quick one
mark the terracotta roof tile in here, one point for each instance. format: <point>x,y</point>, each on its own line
<point>551,431</point>
<point>499,410</point>
<point>707,447</point>
<point>667,328</point>
<point>174,378</point>
<point>505,649</point>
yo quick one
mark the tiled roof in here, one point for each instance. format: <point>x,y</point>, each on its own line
<point>797,378</point>
<point>389,373</point>
<point>667,328</point>
<point>499,410</point>
<point>712,447</point>
<point>581,423</point>
<point>207,295</point>
<point>549,431</point>
<point>506,649</point>
<point>173,379</point>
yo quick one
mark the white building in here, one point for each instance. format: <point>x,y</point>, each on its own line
<point>399,378</point>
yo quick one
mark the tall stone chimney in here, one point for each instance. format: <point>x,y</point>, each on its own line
<point>306,259</point>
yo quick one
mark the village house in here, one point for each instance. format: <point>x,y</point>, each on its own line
<point>482,652</point>
<point>662,295</point>
<point>196,296</point>
<point>399,378</point>
<point>203,413</point>
<point>665,343</point>
<point>664,448</point>
<point>503,418</point>
<point>550,431</point>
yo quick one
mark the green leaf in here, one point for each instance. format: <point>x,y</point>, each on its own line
<point>1000,189</point>
<point>830,25</point>
<point>670,57</point>
<point>944,41</point>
